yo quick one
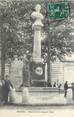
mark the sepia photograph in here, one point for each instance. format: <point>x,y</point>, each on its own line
<point>36,58</point>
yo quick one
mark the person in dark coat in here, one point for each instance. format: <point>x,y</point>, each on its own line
<point>49,84</point>
<point>8,84</point>
<point>3,91</point>
<point>54,85</point>
<point>65,88</point>
<point>59,87</point>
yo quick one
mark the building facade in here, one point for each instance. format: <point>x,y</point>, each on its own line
<point>62,71</point>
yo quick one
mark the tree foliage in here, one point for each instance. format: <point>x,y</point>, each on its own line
<point>18,33</point>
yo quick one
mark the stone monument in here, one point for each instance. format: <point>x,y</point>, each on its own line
<point>37,33</point>
<point>37,65</point>
<point>25,96</point>
<point>69,95</point>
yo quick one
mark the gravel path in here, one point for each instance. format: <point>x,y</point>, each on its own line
<point>26,107</point>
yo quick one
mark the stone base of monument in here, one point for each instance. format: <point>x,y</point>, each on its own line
<point>37,74</point>
<point>46,95</point>
<point>46,100</point>
<point>14,97</point>
<point>69,96</point>
<point>39,83</point>
<point>41,96</point>
<point>25,96</point>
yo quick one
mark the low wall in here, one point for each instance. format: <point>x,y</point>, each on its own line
<point>39,95</point>
<point>42,92</point>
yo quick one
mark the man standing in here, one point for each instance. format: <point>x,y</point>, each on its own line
<point>65,88</point>
<point>3,91</point>
<point>8,84</point>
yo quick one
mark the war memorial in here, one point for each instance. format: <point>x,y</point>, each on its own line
<point>34,87</point>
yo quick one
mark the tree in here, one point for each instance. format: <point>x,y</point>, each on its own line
<point>18,33</point>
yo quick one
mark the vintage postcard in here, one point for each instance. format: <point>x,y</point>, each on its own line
<point>36,58</point>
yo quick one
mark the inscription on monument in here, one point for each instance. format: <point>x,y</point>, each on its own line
<point>39,71</point>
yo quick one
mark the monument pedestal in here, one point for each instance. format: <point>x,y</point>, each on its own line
<point>37,67</point>
<point>37,74</point>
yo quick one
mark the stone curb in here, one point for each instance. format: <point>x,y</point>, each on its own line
<point>68,104</point>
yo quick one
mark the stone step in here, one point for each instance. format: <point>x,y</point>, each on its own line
<point>41,96</point>
<point>41,89</point>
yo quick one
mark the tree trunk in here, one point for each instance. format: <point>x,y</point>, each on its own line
<point>0,40</point>
<point>2,61</point>
<point>48,63</point>
<point>2,48</point>
<point>48,60</point>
